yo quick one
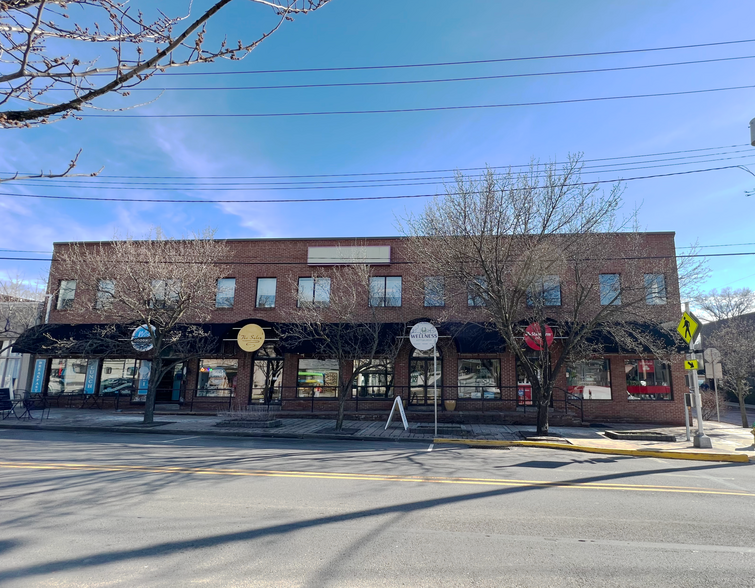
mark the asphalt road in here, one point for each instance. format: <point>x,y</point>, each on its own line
<point>139,510</point>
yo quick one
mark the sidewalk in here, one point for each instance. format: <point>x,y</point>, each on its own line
<point>730,442</point>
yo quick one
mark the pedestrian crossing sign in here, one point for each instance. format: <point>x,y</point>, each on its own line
<point>688,327</point>
<point>690,364</point>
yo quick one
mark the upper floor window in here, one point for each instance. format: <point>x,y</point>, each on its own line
<point>385,291</point>
<point>435,291</point>
<point>226,293</point>
<point>476,290</point>
<point>313,292</point>
<point>66,294</point>
<point>610,289</point>
<point>545,291</point>
<point>105,293</point>
<point>266,292</point>
<point>164,293</point>
<point>655,289</point>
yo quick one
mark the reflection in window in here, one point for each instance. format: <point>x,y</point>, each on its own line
<point>655,289</point>
<point>476,291</point>
<point>590,380</point>
<point>66,294</point>
<point>385,291</point>
<point>217,377</point>
<point>648,379</point>
<point>423,376</point>
<point>10,366</point>
<point>117,376</point>
<point>376,381</point>
<point>610,289</point>
<point>67,376</point>
<point>479,378</point>
<point>226,292</point>
<point>165,293</point>
<point>544,291</point>
<point>318,378</point>
<point>313,292</point>
<point>105,293</point>
<point>266,292</point>
<point>435,291</point>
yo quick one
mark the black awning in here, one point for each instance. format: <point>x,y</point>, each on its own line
<point>291,342</point>
<point>95,339</point>
<point>475,337</point>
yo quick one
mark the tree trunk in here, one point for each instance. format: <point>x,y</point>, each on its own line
<point>342,395</point>
<point>542,416</point>
<point>743,408</point>
<point>154,380</point>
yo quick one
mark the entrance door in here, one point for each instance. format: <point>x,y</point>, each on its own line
<point>267,377</point>
<point>169,388</point>
<point>422,378</point>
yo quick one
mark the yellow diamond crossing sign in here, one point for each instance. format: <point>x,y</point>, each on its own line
<point>690,364</point>
<point>688,327</point>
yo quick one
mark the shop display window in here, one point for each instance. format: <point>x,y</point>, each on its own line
<point>648,379</point>
<point>217,377</point>
<point>318,378</point>
<point>376,381</point>
<point>479,378</point>
<point>590,380</point>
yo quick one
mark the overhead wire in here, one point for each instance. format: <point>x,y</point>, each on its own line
<point>216,115</point>
<point>321,200</point>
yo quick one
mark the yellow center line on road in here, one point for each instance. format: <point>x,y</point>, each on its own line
<point>363,477</point>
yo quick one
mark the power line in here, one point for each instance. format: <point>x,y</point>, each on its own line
<point>454,63</point>
<point>428,81</point>
<point>411,172</point>
<point>320,185</point>
<point>418,109</point>
<point>339,199</point>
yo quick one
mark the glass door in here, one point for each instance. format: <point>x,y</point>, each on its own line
<point>423,377</point>
<point>267,377</point>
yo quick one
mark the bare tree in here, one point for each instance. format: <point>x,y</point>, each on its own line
<point>167,285</point>
<point>343,323</point>
<point>727,303</point>
<point>21,304</point>
<point>527,249</point>
<point>48,62</point>
<point>733,338</point>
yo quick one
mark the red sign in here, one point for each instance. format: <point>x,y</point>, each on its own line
<point>533,336</point>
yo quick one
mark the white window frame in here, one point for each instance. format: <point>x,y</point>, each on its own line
<point>66,294</point>
<point>655,289</point>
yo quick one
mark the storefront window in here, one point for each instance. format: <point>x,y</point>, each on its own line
<point>648,379</point>
<point>376,381</point>
<point>318,378</point>
<point>67,376</point>
<point>118,376</point>
<point>590,380</point>
<point>217,377</point>
<point>10,365</point>
<point>479,378</point>
<point>523,384</point>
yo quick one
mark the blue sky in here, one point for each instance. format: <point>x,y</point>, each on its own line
<point>710,207</point>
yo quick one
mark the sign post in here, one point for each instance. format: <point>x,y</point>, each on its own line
<point>688,328</point>
<point>424,337</point>
<point>712,357</point>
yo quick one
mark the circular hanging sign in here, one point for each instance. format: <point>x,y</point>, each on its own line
<point>423,336</point>
<point>141,339</point>
<point>251,337</point>
<point>533,336</point>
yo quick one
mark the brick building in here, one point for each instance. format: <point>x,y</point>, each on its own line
<point>477,376</point>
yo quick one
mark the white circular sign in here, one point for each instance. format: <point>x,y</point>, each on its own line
<point>423,336</point>
<point>140,338</point>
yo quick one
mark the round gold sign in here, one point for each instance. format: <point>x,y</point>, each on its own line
<point>251,337</point>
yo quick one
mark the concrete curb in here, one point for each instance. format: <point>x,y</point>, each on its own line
<point>662,453</point>
<point>188,432</point>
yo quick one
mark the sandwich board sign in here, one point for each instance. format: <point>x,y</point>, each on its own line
<point>397,402</point>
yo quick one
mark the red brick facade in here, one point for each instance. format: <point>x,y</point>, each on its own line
<point>286,260</point>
